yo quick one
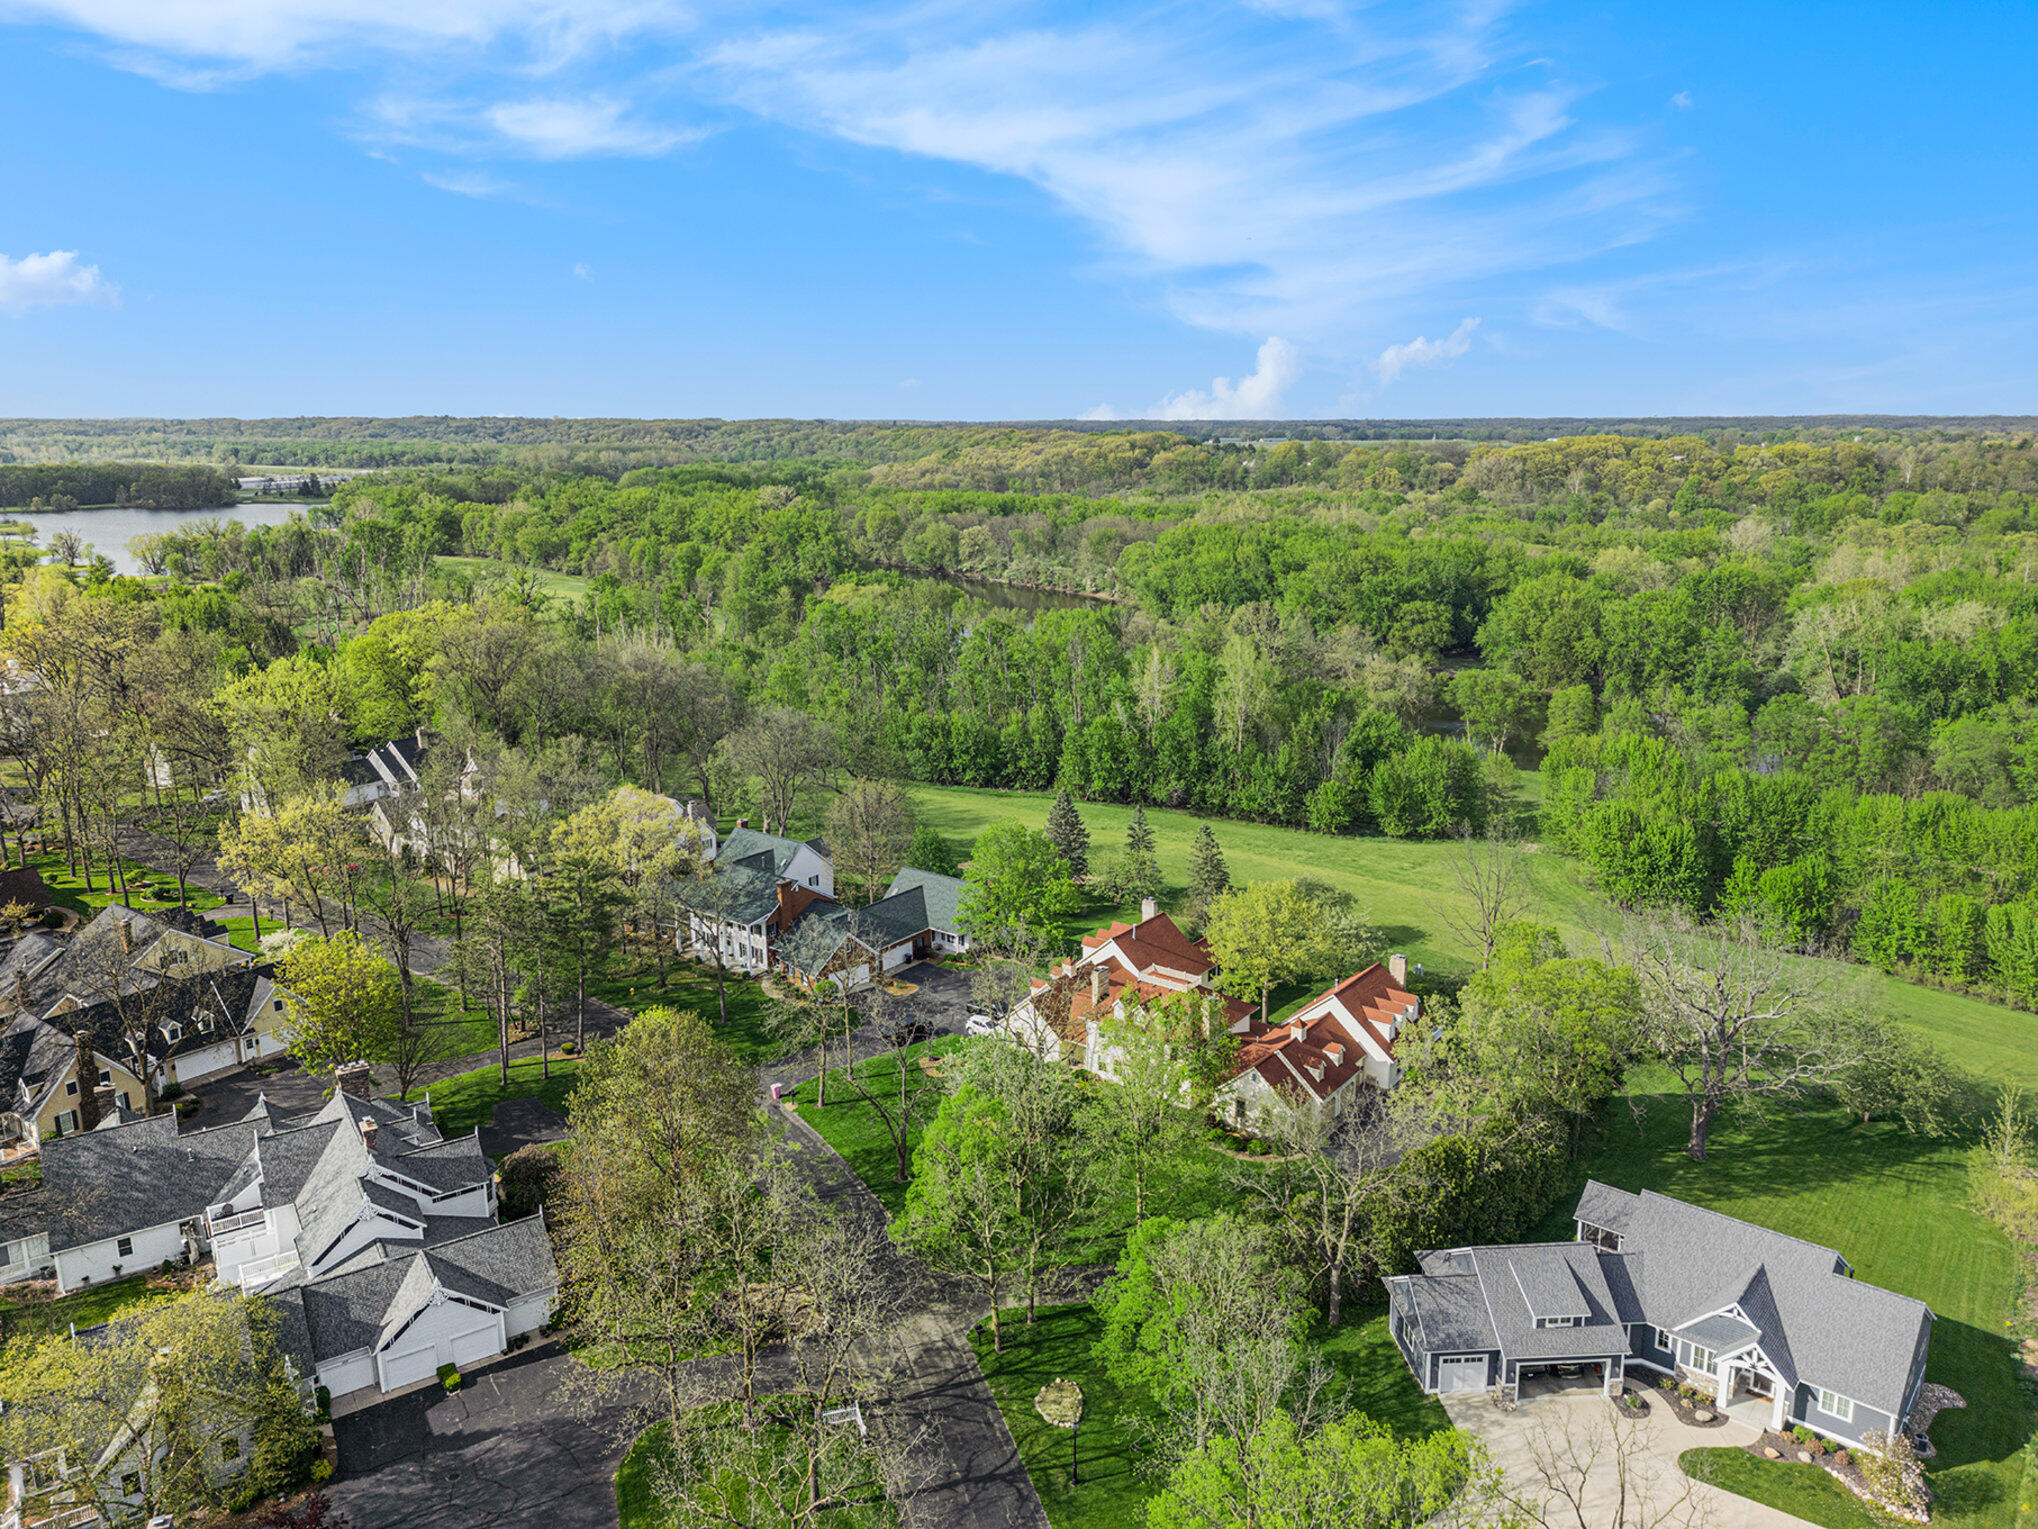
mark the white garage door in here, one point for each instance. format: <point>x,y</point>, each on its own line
<point>477,1345</point>
<point>899,957</point>
<point>399,1370</point>
<point>1462,1374</point>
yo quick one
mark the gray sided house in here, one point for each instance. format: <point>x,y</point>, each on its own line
<point>854,946</point>
<point>1778,1329</point>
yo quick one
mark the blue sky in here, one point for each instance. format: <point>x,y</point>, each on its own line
<point>1287,208</point>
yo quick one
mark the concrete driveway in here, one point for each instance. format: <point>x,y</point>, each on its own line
<point>512,1447</point>
<point>1512,1437</point>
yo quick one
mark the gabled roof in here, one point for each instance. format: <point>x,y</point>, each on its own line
<point>1814,1317</point>
<point>1153,942</point>
<point>941,895</point>
<point>370,1301</point>
<point>742,845</point>
<point>106,1183</point>
<point>814,939</point>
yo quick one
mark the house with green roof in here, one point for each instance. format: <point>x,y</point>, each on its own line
<point>915,919</point>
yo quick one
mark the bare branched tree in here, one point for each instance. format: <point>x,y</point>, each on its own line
<point>1595,1469</point>
<point>1331,1178</point>
<point>1738,1019</point>
<point>1493,873</point>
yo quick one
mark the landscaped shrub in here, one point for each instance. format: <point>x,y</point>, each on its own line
<point>449,1377</point>
<point>170,1090</point>
<point>528,1177</point>
<point>321,1469</point>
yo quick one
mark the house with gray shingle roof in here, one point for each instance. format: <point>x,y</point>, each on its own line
<point>853,946</point>
<point>755,887</point>
<point>292,1204</point>
<point>1778,1329</point>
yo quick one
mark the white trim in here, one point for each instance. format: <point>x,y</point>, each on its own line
<point>1842,1408</point>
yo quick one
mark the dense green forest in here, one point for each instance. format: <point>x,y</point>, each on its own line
<point>118,483</point>
<point>1794,678</point>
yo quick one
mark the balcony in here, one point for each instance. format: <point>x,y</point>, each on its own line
<point>259,1273</point>
<point>217,1227</point>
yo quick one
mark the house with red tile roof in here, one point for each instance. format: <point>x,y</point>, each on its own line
<point>1340,1042</point>
<point>1123,968</point>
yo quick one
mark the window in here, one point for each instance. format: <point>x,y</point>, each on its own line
<point>1664,1345</point>
<point>813,881</point>
<point>124,1248</point>
<point>1556,1321</point>
<point>173,1033</point>
<point>279,1006</point>
<point>1695,1356</point>
<point>229,1449</point>
<point>1834,1405</point>
<point>106,1075</point>
<point>131,1484</point>
<point>71,1089</point>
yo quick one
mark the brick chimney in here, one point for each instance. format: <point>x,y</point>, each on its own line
<point>356,1078</point>
<point>1147,909</point>
<point>103,1101</point>
<point>1397,968</point>
<point>368,1129</point>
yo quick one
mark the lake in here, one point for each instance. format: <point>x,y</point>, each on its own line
<point>108,531</point>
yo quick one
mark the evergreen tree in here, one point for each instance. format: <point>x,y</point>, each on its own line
<point>1209,876</point>
<point>1139,873</point>
<point>1071,840</point>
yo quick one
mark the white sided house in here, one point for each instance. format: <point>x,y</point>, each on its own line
<point>756,885</point>
<point>359,1203</point>
<point>1341,1042</point>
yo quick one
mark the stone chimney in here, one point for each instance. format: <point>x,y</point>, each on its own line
<point>368,1129</point>
<point>1397,968</point>
<point>1147,909</point>
<point>126,937</point>
<point>356,1078</point>
<point>1100,983</point>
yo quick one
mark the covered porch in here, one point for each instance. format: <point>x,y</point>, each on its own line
<point>1751,1393</point>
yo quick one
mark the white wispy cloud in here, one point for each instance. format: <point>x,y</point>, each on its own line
<point>561,127</point>
<point>49,280</point>
<point>1306,168</point>
<point>1420,351</point>
<point>474,183</point>
<point>1257,395</point>
<point>583,270</point>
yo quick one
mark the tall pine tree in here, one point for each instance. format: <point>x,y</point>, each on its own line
<point>1139,875</point>
<point>1065,831</point>
<point>1209,876</point>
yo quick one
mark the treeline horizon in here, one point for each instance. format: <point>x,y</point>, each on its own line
<point>619,444</point>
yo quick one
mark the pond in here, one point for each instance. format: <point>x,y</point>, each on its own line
<point>108,531</point>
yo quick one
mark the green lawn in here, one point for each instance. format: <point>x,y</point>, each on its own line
<point>566,586</point>
<point>632,984</point>
<point>1897,1207</point>
<point>460,1104</point>
<point>86,1308</point>
<point>150,890</point>
<point>1196,1186</point>
<point>637,1504</point>
<point>1407,888</point>
<point>1112,1490</point>
<point>1808,1491</point>
<point>853,1128</point>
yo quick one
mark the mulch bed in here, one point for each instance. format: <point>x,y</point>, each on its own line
<point>1687,1411</point>
<point>1633,1394</point>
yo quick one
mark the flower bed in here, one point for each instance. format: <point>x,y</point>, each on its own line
<point>1807,1448</point>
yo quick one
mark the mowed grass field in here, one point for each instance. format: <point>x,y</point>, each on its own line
<point>1410,892</point>
<point>566,586</point>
